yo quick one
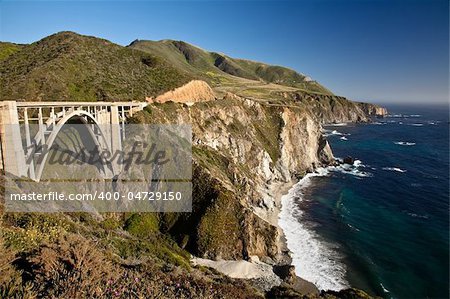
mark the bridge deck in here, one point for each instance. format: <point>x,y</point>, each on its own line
<point>78,104</point>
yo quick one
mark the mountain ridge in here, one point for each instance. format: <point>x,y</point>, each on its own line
<point>95,69</point>
<point>204,61</point>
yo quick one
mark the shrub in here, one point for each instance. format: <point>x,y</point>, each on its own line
<point>28,231</point>
<point>72,267</point>
<point>142,225</point>
<point>11,285</point>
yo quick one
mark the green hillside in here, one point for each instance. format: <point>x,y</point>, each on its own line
<point>67,66</point>
<point>218,68</point>
<point>70,67</point>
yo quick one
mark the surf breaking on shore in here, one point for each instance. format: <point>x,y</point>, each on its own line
<point>315,259</point>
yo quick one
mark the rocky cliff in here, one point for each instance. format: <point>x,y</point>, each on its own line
<point>242,148</point>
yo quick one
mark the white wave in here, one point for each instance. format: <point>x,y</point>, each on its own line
<point>314,259</point>
<point>321,171</point>
<point>336,125</point>
<point>358,163</point>
<point>353,228</point>
<point>416,124</point>
<point>378,123</point>
<point>400,123</point>
<point>350,169</point>
<point>403,115</point>
<point>418,216</point>
<point>334,132</point>
<point>394,169</point>
<point>343,138</point>
<point>384,289</point>
<point>404,143</point>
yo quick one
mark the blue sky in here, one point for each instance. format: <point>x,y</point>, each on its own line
<point>375,50</point>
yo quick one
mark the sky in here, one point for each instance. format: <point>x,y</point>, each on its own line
<point>384,51</point>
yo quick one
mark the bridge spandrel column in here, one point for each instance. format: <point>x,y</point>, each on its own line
<point>13,155</point>
<point>116,141</point>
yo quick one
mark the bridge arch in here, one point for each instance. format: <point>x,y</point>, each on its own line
<point>85,117</point>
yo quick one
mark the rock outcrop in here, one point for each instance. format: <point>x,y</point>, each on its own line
<point>373,110</point>
<point>194,91</point>
<point>334,109</point>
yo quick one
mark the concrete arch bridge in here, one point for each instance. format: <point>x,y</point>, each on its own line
<point>23,149</point>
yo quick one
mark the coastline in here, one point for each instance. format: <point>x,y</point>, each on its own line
<point>302,285</point>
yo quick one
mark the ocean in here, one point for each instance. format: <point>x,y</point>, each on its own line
<point>382,223</point>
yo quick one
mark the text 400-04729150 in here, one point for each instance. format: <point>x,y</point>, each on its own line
<point>102,196</point>
<point>141,195</point>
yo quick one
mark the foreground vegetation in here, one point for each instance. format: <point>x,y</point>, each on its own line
<point>77,255</point>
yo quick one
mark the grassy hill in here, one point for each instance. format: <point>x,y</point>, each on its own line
<point>219,69</point>
<point>70,67</point>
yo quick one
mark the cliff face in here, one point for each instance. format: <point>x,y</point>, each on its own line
<point>241,148</point>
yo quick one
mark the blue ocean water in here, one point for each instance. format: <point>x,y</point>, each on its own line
<point>383,222</point>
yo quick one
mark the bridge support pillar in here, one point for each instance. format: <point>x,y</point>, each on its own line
<point>116,140</point>
<point>12,154</point>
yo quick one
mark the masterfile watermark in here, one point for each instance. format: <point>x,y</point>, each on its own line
<point>149,155</point>
<point>100,168</point>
